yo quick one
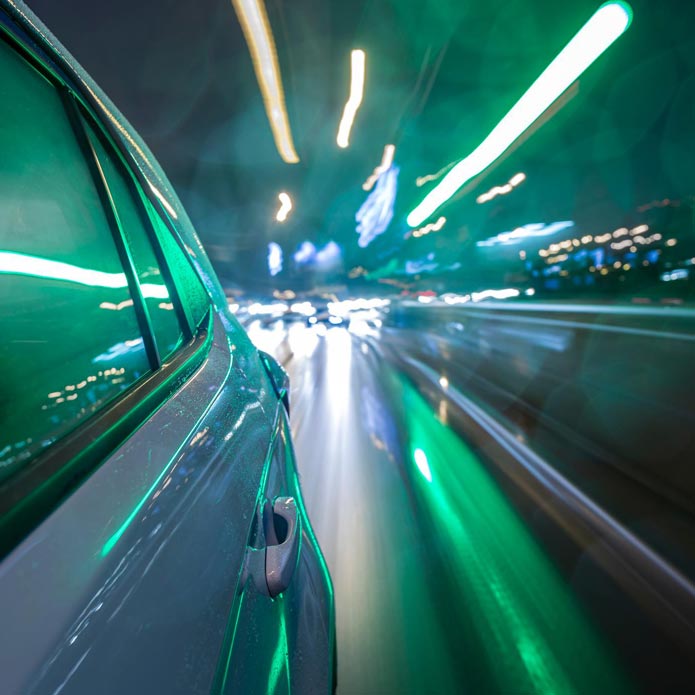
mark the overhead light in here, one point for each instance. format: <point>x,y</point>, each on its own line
<point>254,23</point>
<point>357,62</point>
<point>604,27</point>
<point>285,207</point>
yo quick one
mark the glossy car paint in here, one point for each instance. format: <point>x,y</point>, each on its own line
<point>133,583</point>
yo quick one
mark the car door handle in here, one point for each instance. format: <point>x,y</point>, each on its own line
<point>282,545</point>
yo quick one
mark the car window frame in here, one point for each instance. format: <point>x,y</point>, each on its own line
<point>134,189</point>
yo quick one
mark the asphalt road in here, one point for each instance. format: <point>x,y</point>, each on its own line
<point>446,578</point>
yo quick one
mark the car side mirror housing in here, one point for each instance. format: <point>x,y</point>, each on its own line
<point>278,377</point>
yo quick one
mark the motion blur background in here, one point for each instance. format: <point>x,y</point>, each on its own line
<point>492,395</point>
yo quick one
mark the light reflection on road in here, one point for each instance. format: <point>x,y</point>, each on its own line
<point>439,586</point>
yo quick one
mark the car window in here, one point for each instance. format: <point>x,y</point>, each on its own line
<point>132,220</point>
<point>188,286</point>
<point>69,336</point>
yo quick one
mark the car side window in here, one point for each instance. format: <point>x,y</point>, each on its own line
<point>132,220</point>
<point>65,352</point>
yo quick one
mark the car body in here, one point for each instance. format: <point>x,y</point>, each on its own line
<point>152,531</point>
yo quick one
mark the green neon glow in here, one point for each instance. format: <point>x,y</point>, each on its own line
<point>530,633</point>
<point>230,651</point>
<point>24,264</point>
<point>279,662</point>
<point>108,546</point>
<point>609,22</point>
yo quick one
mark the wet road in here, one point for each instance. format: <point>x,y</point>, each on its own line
<point>446,580</point>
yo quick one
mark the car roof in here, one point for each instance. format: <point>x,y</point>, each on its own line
<point>154,181</point>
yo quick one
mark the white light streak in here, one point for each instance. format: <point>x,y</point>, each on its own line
<point>431,227</point>
<point>285,207</point>
<point>604,27</point>
<point>501,190</point>
<point>386,162</point>
<point>422,180</point>
<point>422,464</point>
<point>357,63</point>
<point>259,37</point>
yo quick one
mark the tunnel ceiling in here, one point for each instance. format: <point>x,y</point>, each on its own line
<point>439,76</point>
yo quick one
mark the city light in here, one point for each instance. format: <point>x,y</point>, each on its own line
<point>347,306</point>
<point>376,213</point>
<point>386,162</point>
<point>431,227</point>
<point>324,259</point>
<point>422,180</point>
<point>306,253</point>
<point>527,231</point>
<point>304,308</point>
<point>357,63</point>
<point>495,294</point>
<point>273,309</point>
<point>568,244</point>
<point>259,37</point>
<point>274,258</point>
<point>678,274</point>
<point>501,190</point>
<point>328,258</point>
<point>604,27</point>
<point>285,207</point>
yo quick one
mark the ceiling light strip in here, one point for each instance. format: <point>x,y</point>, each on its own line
<point>357,63</point>
<point>604,27</point>
<point>256,27</point>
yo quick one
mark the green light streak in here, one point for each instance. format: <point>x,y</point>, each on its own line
<point>230,650</point>
<point>279,662</point>
<point>533,633</point>
<point>609,22</point>
<point>34,266</point>
<point>108,546</point>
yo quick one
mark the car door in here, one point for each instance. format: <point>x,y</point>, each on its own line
<point>297,623</point>
<point>128,510</point>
